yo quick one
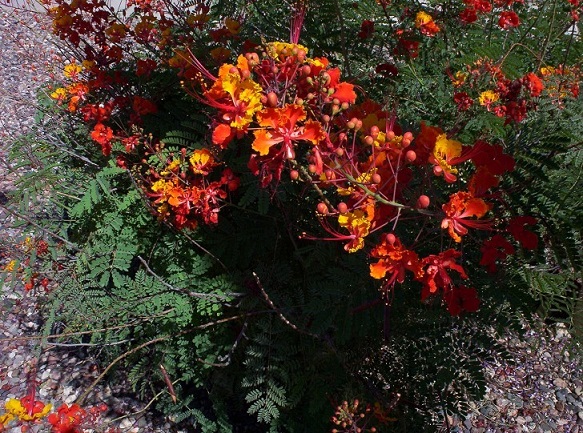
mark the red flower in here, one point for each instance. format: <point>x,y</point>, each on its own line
<point>497,248</point>
<point>67,419</point>
<point>436,275</point>
<point>394,261</point>
<point>469,15</point>
<point>463,101</point>
<point>508,19</point>
<point>222,135</point>
<point>460,207</point>
<point>387,70</point>
<point>493,159</point>
<point>103,135</point>
<point>534,84</point>
<point>516,228</point>
<point>366,29</point>
<point>460,299</point>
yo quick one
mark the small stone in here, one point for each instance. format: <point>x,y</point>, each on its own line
<point>560,406</point>
<point>549,425</point>
<point>468,423</point>
<point>502,402</point>
<point>560,383</point>
<point>561,394</point>
<point>520,420</point>
<point>126,423</point>
<point>477,430</point>
<point>488,410</point>
<point>580,415</point>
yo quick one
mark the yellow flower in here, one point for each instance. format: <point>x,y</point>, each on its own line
<point>488,97</point>
<point>15,408</point>
<point>547,70</point>
<point>277,49</point>
<point>71,70</point>
<point>9,268</point>
<point>202,161</point>
<point>59,94</point>
<point>459,78</point>
<point>170,168</point>
<point>358,226</point>
<point>5,419</point>
<point>422,18</point>
<point>445,150</point>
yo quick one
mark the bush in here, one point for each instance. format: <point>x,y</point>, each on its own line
<point>273,230</point>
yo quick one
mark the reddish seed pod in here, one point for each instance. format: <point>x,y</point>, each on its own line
<point>294,174</point>
<point>275,69</point>
<point>306,70</point>
<point>437,170</point>
<point>271,99</point>
<point>322,208</point>
<point>391,238</point>
<point>423,202</point>
<point>376,178</point>
<point>342,207</point>
<point>312,168</point>
<point>325,118</point>
<point>408,136</point>
<point>339,152</point>
<point>374,131</point>
<point>326,77</point>
<point>345,105</point>
<point>390,135</point>
<point>350,124</point>
<point>245,74</point>
<point>369,140</point>
<point>300,101</point>
<point>329,174</point>
<point>336,101</point>
<point>411,155</point>
<point>405,142</point>
<point>233,70</point>
<point>358,125</point>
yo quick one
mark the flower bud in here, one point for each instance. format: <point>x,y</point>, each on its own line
<point>423,202</point>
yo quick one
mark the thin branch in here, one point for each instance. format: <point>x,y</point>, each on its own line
<point>278,312</point>
<point>184,291</point>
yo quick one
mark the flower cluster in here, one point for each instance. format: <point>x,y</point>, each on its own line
<point>507,18</point>
<point>506,98</point>
<point>67,419</point>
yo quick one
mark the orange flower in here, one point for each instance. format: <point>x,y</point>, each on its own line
<point>461,206</point>
<point>394,260</point>
<point>424,22</point>
<point>283,129</point>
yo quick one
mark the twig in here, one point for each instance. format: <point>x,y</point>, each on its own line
<point>83,396</point>
<point>28,220</point>
<point>175,289</point>
<point>278,312</point>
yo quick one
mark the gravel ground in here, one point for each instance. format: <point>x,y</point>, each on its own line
<point>541,392</point>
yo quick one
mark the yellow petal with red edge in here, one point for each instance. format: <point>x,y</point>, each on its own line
<point>263,141</point>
